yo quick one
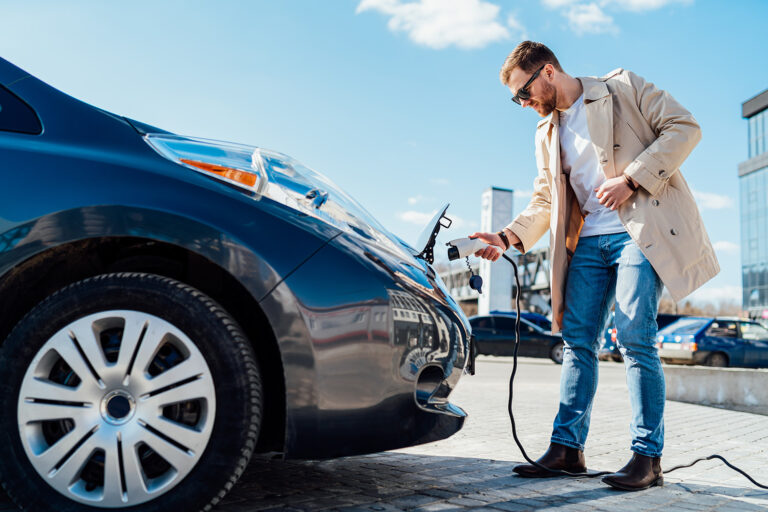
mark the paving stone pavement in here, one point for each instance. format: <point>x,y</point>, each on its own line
<point>473,469</point>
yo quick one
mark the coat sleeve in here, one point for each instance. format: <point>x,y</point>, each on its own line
<point>677,133</point>
<point>533,222</point>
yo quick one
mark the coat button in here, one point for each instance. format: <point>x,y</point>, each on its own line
<point>662,173</point>
<point>673,231</point>
<point>655,202</point>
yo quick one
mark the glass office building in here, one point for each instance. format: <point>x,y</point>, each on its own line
<point>753,178</point>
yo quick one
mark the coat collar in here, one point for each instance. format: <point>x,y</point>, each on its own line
<point>599,109</point>
<point>594,89</point>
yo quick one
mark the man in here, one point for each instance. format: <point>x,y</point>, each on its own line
<point>622,223</point>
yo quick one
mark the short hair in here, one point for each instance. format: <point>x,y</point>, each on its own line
<point>528,56</point>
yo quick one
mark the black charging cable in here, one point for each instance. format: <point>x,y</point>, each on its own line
<point>556,472</point>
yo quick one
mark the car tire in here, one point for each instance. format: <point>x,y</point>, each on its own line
<point>717,360</point>
<point>556,352</point>
<point>152,446</point>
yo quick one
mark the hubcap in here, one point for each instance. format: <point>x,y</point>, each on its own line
<point>116,408</point>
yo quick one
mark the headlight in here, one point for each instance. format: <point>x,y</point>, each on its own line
<point>234,163</point>
<point>265,173</point>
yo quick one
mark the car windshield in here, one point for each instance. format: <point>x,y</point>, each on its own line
<point>294,180</point>
<point>686,326</point>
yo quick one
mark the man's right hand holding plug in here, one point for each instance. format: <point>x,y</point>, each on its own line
<point>495,239</point>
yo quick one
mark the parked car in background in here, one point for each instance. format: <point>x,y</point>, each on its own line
<point>170,305</point>
<point>714,342</point>
<point>610,349</point>
<point>534,318</point>
<point>495,336</point>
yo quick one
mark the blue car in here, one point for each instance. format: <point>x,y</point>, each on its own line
<point>714,342</point>
<point>610,349</point>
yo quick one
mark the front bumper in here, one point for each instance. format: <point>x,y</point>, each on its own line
<point>371,351</point>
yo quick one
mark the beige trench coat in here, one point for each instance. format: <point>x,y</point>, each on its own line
<point>640,131</point>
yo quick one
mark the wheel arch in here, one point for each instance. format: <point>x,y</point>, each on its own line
<point>719,351</point>
<point>36,277</point>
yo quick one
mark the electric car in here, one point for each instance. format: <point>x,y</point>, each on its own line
<point>170,305</point>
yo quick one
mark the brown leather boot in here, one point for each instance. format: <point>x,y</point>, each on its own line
<point>640,473</point>
<point>557,456</point>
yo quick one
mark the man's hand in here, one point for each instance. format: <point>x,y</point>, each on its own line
<point>613,192</point>
<point>489,253</point>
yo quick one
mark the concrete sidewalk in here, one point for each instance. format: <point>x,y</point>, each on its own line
<point>692,431</point>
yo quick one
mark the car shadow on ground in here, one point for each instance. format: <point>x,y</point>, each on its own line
<point>393,481</point>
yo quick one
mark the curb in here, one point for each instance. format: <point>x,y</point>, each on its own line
<point>731,388</point>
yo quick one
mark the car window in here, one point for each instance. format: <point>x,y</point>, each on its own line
<point>17,116</point>
<point>505,324</point>
<point>484,322</point>
<point>685,326</point>
<point>508,324</point>
<point>723,329</point>
<point>541,322</point>
<point>750,331</point>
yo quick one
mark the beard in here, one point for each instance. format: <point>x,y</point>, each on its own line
<point>546,105</point>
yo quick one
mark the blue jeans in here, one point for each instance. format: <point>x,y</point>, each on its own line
<point>604,269</point>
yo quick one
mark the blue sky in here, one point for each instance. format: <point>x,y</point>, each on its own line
<point>399,101</point>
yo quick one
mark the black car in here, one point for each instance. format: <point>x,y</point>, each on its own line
<point>495,336</point>
<point>171,305</point>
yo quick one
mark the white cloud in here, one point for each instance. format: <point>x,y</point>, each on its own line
<point>441,23</point>
<point>556,4</point>
<point>725,246</point>
<point>516,26</point>
<point>642,5</point>
<point>415,199</point>
<point>461,223</point>
<point>414,217</point>
<point>715,294</point>
<point>710,201</point>
<point>590,19</point>
<point>422,218</point>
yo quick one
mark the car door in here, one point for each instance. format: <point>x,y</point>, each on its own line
<point>505,338</point>
<point>755,338</point>
<point>482,330</point>
<point>723,336</point>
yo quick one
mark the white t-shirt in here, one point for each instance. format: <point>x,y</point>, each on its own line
<point>579,159</point>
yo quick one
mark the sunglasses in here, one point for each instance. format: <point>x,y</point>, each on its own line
<point>522,93</point>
